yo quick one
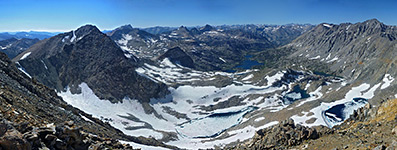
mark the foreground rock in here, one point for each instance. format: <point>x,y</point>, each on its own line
<point>63,136</point>
<point>282,136</point>
<point>368,128</point>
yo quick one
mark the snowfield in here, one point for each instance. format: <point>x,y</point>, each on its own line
<point>189,111</point>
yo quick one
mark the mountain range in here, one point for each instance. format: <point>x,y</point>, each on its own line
<point>226,87</point>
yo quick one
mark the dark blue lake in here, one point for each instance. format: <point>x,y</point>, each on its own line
<point>246,64</point>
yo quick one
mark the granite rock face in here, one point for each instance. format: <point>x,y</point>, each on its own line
<point>87,55</point>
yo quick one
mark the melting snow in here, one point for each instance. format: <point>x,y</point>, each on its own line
<point>317,57</point>
<point>387,80</point>
<point>327,25</point>
<point>222,59</point>
<point>259,119</point>
<point>319,111</point>
<point>25,55</point>
<point>248,77</point>
<point>125,39</point>
<point>73,38</point>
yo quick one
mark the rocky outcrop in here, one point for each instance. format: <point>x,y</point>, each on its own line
<point>28,105</point>
<point>177,56</point>
<point>368,128</point>
<point>63,136</point>
<point>282,136</point>
<point>87,55</point>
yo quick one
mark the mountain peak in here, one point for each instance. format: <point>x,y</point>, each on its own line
<point>128,26</point>
<point>207,27</point>
<point>87,28</point>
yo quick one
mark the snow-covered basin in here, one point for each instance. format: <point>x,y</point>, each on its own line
<point>334,113</point>
<point>213,124</point>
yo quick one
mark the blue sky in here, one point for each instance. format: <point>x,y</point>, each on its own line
<point>64,15</point>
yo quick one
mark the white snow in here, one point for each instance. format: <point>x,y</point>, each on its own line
<point>333,59</point>
<point>73,38</point>
<point>124,40</point>
<point>274,78</point>
<point>327,25</point>
<point>24,56</point>
<point>315,95</point>
<point>167,62</point>
<point>259,119</point>
<point>65,38</point>
<point>45,66</point>
<point>387,80</point>
<point>318,111</point>
<point>236,135</point>
<point>20,68</point>
<point>5,47</point>
<point>317,57</point>
<point>248,77</point>
<point>222,59</point>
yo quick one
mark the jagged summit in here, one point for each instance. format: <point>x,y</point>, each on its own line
<point>207,27</point>
<point>88,55</point>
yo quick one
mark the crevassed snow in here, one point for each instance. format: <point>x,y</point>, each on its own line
<point>24,56</point>
<point>318,111</point>
<point>387,80</point>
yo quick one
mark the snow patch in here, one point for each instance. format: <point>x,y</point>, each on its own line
<point>387,80</point>
<point>24,56</point>
<point>327,25</point>
<point>248,77</point>
<point>74,37</point>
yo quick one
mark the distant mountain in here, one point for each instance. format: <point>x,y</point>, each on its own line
<point>158,29</point>
<point>29,35</point>
<point>12,47</point>
<point>209,47</point>
<point>86,55</point>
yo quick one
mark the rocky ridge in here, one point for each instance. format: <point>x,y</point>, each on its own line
<point>87,55</point>
<point>29,107</point>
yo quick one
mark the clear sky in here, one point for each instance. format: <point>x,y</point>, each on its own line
<point>64,15</point>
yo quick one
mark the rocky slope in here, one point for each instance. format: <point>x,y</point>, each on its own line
<point>33,116</point>
<point>12,47</point>
<point>361,51</point>
<point>87,55</point>
<point>368,128</point>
